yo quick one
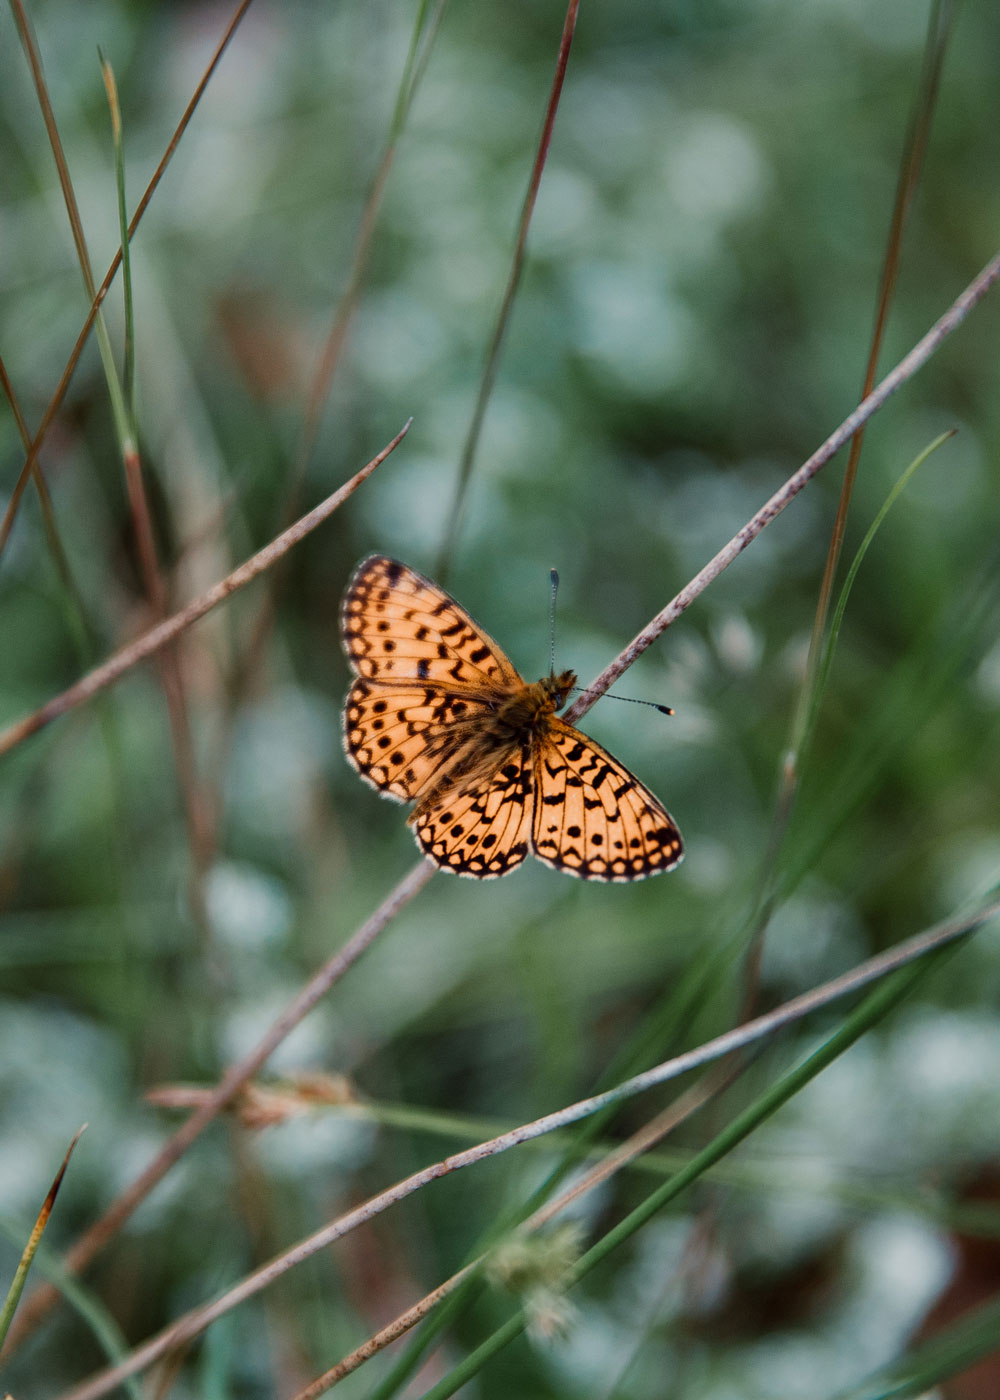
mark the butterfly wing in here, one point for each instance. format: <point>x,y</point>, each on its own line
<point>482,830</point>
<point>400,737</point>
<point>398,626</point>
<point>592,818</point>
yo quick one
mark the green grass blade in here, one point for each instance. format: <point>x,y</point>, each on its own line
<point>872,1010</point>
<point>915,687</point>
<point>102,1325</point>
<point>852,573</point>
<point>16,1288</point>
<point>128,371</point>
<point>673,1010</point>
<point>974,1336</point>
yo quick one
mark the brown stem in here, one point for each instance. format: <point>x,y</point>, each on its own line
<point>10,514</point>
<point>770,510</point>
<point>103,1230</point>
<point>160,636</point>
<point>506,306</point>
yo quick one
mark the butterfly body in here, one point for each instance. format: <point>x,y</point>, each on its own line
<point>438,715</point>
<point>528,707</point>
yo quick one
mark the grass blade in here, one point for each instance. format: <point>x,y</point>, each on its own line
<point>21,1272</point>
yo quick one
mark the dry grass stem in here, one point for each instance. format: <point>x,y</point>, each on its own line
<point>160,636</point>
<point>10,514</point>
<point>647,1137</point>
<point>388,1334</point>
<point>894,380</point>
<point>195,1322</point>
<point>195,800</point>
<point>106,1227</point>
<point>507,304</point>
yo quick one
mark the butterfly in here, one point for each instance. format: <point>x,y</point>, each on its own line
<point>438,715</point>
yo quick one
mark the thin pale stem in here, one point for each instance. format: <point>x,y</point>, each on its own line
<point>171,675</point>
<point>103,1230</point>
<point>10,514</point>
<point>392,1332</point>
<point>640,1142</point>
<point>895,379</point>
<point>160,636</point>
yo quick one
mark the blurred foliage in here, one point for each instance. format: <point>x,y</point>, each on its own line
<point>693,320</point>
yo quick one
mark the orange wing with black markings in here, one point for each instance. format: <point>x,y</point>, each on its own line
<point>482,830</point>
<point>399,737</point>
<point>399,626</point>
<point>593,818</point>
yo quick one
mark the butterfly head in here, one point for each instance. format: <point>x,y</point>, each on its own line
<point>558,687</point>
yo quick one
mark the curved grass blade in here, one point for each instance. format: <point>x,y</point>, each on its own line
<point>34,1239</point>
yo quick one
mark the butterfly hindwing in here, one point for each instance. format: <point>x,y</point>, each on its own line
<point>593,819</point>
<point>400,736</point>
<point>483,830</point>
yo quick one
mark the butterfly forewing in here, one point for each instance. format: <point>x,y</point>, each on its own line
<point>397,625</point>
<point>592,817</point>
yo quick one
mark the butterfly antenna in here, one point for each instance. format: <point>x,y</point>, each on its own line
<point>628,700</point>
<point>554,579</point>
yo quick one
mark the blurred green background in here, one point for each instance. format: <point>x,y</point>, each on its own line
<point>692,322</point>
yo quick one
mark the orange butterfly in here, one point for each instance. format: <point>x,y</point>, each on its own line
<point>438,715</point>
